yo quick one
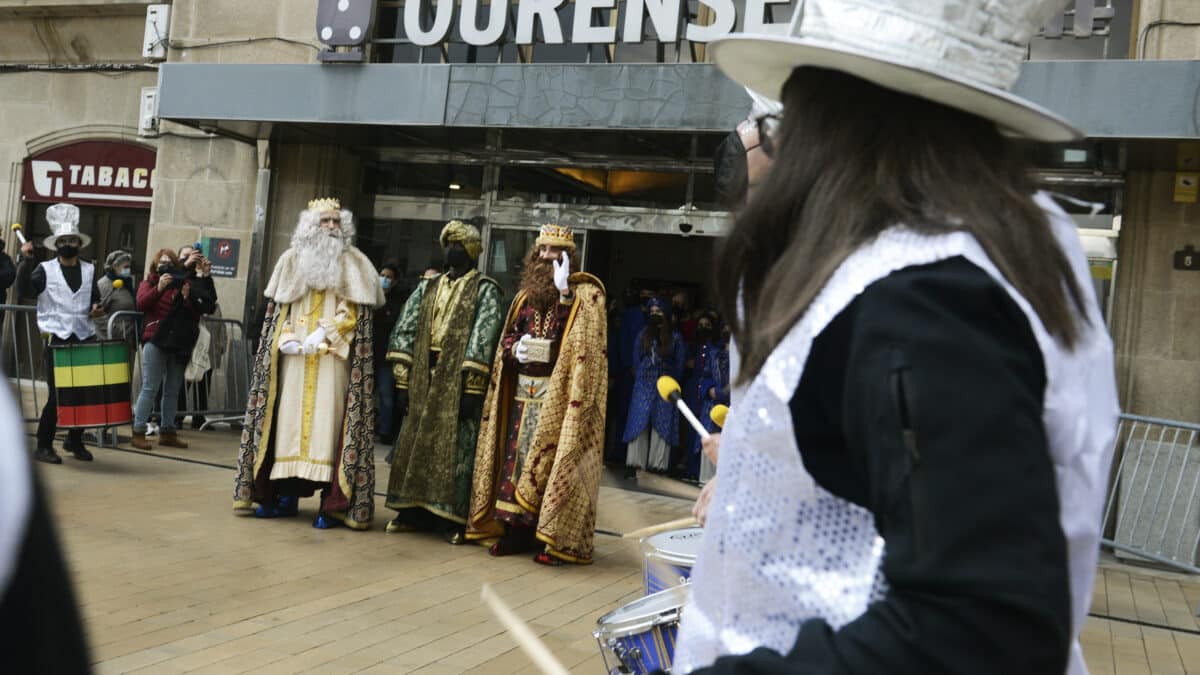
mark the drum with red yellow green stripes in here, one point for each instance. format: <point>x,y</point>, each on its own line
<point>92,383</point>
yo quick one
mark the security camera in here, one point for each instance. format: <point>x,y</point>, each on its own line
<point>685,228</point>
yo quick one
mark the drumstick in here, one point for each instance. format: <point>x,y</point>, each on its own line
<point>662,527</point>
<point>669,390</point>
<point>16,227</point>
<point>718,414</point>
<point>526,640</point>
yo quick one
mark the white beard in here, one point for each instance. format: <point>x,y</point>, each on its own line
<point>319,254</point>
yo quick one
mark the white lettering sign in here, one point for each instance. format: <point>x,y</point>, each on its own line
<point>725,16</point>
<point>543,11</point>
<point>436,33</point>
<point>586,27</point>
<point>584,31</point>
<point>496,25</point>
<point>664,14</point>
<point>48,179</point>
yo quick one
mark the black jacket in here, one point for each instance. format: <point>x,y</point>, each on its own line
<point>922,402</point>
<point>8,275</point>
<point>385,319</point>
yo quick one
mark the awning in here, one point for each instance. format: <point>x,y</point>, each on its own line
<point>1107,99</point>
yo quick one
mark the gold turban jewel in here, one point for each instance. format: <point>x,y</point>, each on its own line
<point>324,204</point>
<point>556,235</point>
<point>465,234</point>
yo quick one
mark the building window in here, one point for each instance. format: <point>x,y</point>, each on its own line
<point>445,181</point>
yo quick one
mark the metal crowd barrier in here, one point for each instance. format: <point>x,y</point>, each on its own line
<point>1153,509</point>
<point>220,396</point>
<point>21,347</point>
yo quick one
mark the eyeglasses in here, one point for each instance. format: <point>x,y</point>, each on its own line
<point>758,132</point>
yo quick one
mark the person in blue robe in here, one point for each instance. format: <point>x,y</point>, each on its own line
<point>707,385</point>
<point>622,369</point>
<point>653,425</point>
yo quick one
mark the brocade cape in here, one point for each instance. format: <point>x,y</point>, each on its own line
<point>560,481</point>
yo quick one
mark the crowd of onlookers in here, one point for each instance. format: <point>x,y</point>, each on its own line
<point>160,315</point>
<point>652,334</point>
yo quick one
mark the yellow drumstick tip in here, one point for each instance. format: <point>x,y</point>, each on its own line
<point>117,283</point>
<point>718,415</point>
<point>16,226</point>
<point>667,386</point>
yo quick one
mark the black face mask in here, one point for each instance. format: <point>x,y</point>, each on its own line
<point>704,333</point>
<point>68,251</point>
<point>656,320</point>
<point>457,258</point>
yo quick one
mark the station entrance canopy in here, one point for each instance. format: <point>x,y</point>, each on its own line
<point>1107,99</point>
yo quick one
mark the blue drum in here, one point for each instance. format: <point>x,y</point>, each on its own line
<point>668,557</point>
<point>639,638</point>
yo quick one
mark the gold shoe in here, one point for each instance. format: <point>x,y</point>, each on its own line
<point>398,525</point>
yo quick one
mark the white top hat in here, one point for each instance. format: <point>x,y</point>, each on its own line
<point>64,221</point>
<point>965,54</point>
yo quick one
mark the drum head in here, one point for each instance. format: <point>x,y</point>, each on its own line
<point>676,546</point>
<point>643,614</point>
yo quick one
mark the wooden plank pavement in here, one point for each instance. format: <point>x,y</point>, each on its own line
<point>169,581</point>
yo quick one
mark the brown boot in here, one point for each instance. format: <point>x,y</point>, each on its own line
<point>139,441</point>
<point>167,438</point>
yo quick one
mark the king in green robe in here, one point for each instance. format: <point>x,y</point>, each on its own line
<point>441,348</point>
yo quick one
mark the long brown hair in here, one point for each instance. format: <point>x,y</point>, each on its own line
<point>666,341</point>
<point>852,159</point>
<point>152,272</point>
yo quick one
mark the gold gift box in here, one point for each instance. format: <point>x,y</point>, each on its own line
<point>539,350</point>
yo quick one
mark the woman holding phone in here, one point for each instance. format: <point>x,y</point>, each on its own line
<point>172,324</point>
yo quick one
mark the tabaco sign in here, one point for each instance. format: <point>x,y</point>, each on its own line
<point>92,173</point>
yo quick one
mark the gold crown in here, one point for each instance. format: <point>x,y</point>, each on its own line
<point>556,235</point>
<point>325,204</point>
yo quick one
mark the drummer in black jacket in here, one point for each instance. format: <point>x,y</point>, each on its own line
<point>63,312</point>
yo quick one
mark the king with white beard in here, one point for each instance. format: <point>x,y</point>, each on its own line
<point>310,418</point>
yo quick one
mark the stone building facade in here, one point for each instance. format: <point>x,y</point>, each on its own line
<point>253,124</point>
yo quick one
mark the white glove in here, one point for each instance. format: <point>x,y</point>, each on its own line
<point>521,350</point>
<point>314,340</point>
<point>290,347</point>
<point>562,270</point>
